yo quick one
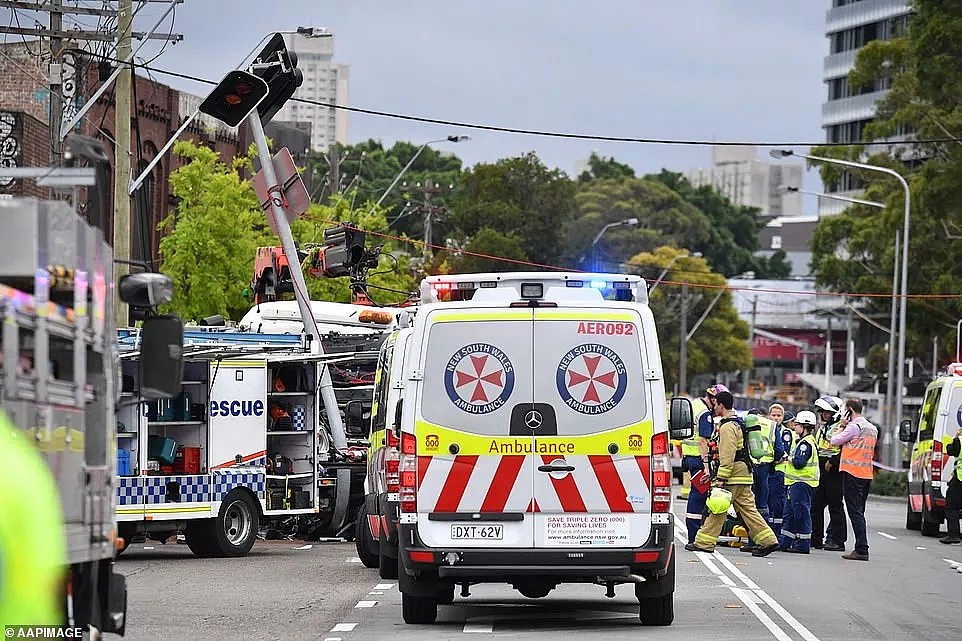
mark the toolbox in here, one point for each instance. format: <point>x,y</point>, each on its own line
<point>276,499</point>
<point>162,449</point>
<point>187,460</point>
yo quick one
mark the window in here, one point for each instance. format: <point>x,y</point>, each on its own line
<point>930,409</point>
<point>776,242</point>
<point>381,390</point>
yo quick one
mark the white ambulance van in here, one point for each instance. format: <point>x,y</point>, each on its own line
<point>534,441</point>
<point>931,467</point>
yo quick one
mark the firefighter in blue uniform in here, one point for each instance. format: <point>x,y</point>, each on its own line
<point>695,459</point>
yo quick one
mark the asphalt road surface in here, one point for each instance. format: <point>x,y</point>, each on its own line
<point>290,590</point>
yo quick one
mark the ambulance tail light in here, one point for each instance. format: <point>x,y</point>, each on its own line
<point>936,460</point>
<point>392,470</point>
<point>408,474</point>
<point>660,473</point>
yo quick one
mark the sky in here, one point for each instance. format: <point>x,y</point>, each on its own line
<point>732,70</point>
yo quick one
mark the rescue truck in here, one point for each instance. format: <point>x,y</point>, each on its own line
<point>246,445</point>
<point>930,468</point>
<point>59,370</point>
<point>534,442</point>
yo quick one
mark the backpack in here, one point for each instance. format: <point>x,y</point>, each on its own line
<point>742,455</point>
<point>759,442</point>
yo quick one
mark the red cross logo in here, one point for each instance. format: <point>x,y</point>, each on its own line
<point>481,370</point>
<point>592,377</point>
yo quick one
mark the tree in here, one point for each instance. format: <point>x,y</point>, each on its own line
<point>491,243</point>
<point>665,219</point>
<point>210,241</point>
<point>600,168</point>
<point>518,196</point>
<point>854,250</point>
<point>732,238</point>
<point>720,343</point>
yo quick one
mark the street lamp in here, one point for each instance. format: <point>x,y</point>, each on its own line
<point>668,266</point>
<point>844,199</point>
<point>411,162</point>
<point>782,153</point>
<point>627,222</point>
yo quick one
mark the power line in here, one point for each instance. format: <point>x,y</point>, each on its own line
<point>555,134</point>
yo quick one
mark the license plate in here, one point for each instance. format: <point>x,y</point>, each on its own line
<point>477,532</point>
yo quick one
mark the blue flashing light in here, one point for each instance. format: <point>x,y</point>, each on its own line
<point>599,284</point>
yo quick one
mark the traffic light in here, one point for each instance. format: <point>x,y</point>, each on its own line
<point>237,95</point>
<point>343,250</point>
<point>277,66</point>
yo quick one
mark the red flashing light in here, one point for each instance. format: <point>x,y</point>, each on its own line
<point>409,444</point>
<point>659,444</point>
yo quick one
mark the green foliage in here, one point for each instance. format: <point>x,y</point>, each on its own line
<point>601,168</point>
<point>887,483</point>
<point>491,243</point>
<point>209,243</point>
<point>720,344</point>
<point>877,360</point>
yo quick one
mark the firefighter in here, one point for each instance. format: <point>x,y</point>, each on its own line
<point>33,555</point>
<point>829,492</point>
<point>785,432</point>
<point>730,469</point>
<point>695,458</point>
<point>801,479</point>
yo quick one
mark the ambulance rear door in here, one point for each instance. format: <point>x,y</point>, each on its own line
<point>592,429</point>
<point>474,476</point>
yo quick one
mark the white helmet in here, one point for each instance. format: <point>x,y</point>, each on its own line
<point>831,404</point>
<point>806,418</point>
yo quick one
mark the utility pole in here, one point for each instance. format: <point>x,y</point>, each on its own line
<point>55,73</point>
<point>430,213</point>
<point>751,344</point>
<point>850,349</point>
<point>121,235</point>
<point>683,340</point>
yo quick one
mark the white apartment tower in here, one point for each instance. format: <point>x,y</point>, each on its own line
<point>738,174</point>
<point>850,25</point>
<point>324,81</point>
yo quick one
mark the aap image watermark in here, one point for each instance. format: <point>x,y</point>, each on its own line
<point>41,632</point>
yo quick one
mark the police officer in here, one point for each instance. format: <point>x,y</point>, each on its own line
<point>801,479</point>
<point>33,556</point>
<point>829,492</point>
<point>785,433</point>
<point>695,458</point>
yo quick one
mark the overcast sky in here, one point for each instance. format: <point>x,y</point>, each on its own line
<point>691,69</point>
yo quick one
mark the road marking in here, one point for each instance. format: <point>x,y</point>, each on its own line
<point>344,627</point>
<point>777,632</point>
<point>375,593</point>
<point>353,559</point>
<point>478,628</point>
<point>304,547</point>
<point>888,536</point>
<point>919,547</point>
<point>384,586</point>
<point>953,564</point>
<point>332,638</point>
<point>148,547</point>
<point>365,604</point>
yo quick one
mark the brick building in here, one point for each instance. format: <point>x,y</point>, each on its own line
<point>158,111</point>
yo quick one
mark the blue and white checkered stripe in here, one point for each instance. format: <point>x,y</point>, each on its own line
<point>299,418</point>
<point>193,489</point>
<point>227,479</point>
<point>129,491</point>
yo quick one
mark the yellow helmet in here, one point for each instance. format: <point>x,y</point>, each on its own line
<point>719,500</point>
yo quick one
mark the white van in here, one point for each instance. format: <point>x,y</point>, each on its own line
<point>931,468</point>
<point>534,442</point>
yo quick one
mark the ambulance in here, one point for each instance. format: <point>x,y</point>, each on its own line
<point>931,467</point>
<point>534,442</point>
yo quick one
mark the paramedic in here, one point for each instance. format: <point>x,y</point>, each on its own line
<point>776,482</point>
<point>801,479</point>
<point>953,496</point>
<point>33,555</point>
<point>733,474</point>
<point>695,459</point>
<point>829,492</point>
<point>857,439</point>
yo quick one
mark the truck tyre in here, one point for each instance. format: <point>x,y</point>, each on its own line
<point>364,541</point>
<point>659,610</point>
<point>235,528</point>
<point>445,594</point>
<point>929,526</point>
<point>913,521</point>
<point>387,567</point>
<point>535,589</point>
<point>199,535</point>
<point>419,609</point>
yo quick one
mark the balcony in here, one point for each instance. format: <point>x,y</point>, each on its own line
<point>838,64</point>
<point>861,13</point>
<point>852,109</point>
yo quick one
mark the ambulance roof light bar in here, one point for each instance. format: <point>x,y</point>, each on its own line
<point>455,287</point>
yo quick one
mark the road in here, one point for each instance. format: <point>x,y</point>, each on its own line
<point>909,590</point>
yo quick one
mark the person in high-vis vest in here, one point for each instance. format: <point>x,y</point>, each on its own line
<point>953,495</point>
<point>857,440</point>
<point>829,492</point>
<point>801,479</point>
<point>763,466</point>
<point>694,453</point>
<point>785,433</point>
<point>33,554</point>
<point>730,470</point>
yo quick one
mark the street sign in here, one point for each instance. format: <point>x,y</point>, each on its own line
<point>295,191</point>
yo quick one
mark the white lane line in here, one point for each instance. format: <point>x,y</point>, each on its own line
<point>919,547</point>
<point>352,559</point>
<point>384,586</point>
<point>952,563</point>
<point>705,558</point>
<point>745,597</point>
<point>332,638</point>
<point>344,627</point>
<point>304,547</point>
<point>365,604</point>
<point>751,585</point>
<point>727,581</point>
<point>888,536</point>
<point>375,593</point>
<point>478,628</point>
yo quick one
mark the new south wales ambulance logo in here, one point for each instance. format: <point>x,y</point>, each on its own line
<point>592,379</point>
<point>479,378</point>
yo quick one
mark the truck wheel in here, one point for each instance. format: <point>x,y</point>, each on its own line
<point>659,610</point>
<point>929,526</point>
<point>419,609</point>
<point>445,594</point>
<point>387,567</point>
<point>534,589</point>
<point>199,535</point>
<point>913,521</point>
<point>235,528</point>
<point>364,541</point>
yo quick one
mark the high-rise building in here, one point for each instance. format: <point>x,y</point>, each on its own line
<point>324,81</point>
<point>849,26</point>
<point>738,174</point>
